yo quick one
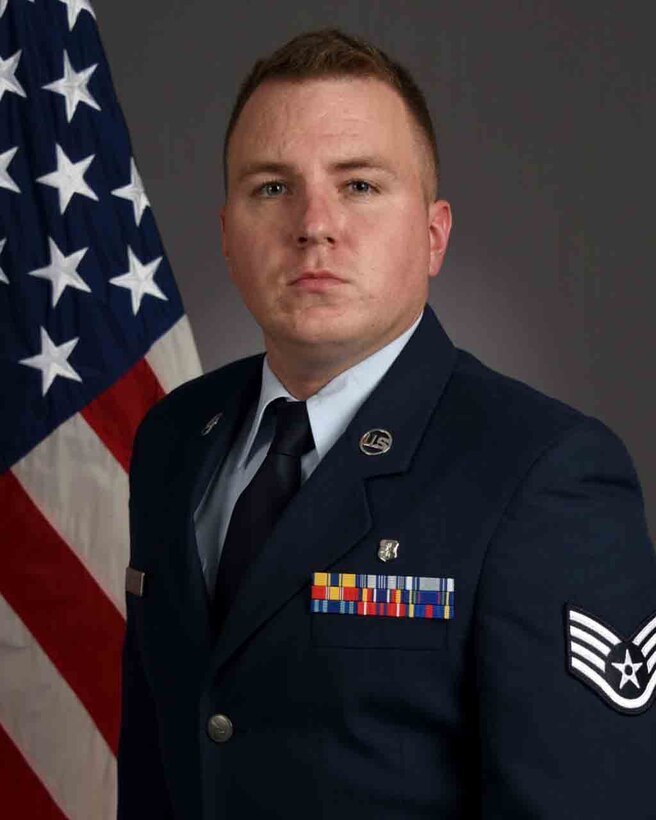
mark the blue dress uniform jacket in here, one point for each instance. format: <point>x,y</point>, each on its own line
<point>529,506</point>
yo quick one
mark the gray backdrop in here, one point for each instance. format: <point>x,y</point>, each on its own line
<point>546,121</point>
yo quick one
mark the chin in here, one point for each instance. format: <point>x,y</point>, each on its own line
<point>320,335</point>
<point>320,321</point>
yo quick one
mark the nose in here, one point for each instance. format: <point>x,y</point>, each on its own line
<point>316,220</point>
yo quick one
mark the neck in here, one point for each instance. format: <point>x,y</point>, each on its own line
<point>304,371</point>
<point>305,378</point>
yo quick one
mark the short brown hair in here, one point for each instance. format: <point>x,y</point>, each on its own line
<point>332,53</point>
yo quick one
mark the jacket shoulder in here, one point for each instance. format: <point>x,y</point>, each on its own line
<point>526,439</point>
<point>209,389</point>
<point>191,405</point>
<point>508,410</point>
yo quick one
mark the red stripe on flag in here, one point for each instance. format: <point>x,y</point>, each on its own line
<point>22,794</point>
<point>115,414</point>
<point>68,613</point>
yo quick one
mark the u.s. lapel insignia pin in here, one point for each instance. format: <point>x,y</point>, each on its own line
<point>211,424</point>
<point>376,442</point>
<point>388,549</point>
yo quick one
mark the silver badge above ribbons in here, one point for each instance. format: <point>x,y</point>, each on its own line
<point>388,549</point>
<point>376,442</point>
<point>211,424</point>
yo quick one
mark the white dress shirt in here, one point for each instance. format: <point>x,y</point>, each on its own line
<point>330,411</point>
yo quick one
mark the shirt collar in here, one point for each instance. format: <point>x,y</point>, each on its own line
<point>271,389</point>
<point>330,409</point>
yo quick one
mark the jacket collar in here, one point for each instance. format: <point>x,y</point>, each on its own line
<point>334,405</point>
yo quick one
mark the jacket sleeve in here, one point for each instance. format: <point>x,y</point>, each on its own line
<point>142,787</point>
<point>553,746</point>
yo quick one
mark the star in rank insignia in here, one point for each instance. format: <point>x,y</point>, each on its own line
<point>621,671</point>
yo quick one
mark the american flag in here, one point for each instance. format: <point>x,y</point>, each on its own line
<point>93,332</point>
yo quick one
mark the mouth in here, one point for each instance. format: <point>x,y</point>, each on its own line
<point>316,278</point>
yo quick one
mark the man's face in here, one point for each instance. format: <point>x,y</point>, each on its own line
<point>295,207</point>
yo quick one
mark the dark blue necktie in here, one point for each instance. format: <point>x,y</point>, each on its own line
<point>262,501</point>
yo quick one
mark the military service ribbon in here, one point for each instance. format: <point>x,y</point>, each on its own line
<point>395,596</point>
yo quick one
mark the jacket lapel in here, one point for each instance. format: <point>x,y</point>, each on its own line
<point>330,513</point>
<point>206,445</point>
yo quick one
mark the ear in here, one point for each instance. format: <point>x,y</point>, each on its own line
<point>439,229</point>
<point>224,238</point>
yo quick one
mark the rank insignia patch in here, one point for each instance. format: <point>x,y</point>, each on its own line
<point>392,596</point>
<point>622,671</point>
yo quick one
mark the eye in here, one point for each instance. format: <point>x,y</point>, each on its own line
<point>261,189</point>
<point>267,189</point>
<point>369,187</point>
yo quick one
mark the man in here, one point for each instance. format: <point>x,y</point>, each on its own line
<point>368,574</point>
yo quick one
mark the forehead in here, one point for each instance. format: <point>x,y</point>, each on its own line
<point>284,117</point>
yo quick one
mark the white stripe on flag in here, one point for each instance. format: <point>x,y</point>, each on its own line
<point>174,358</point>
<point>51,728</point>
<point>89,509</point>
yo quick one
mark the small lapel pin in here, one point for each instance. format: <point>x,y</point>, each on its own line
<point>388,549</point>
<point>134,581</point>
<point>211,424</point>
<point>376,442</point>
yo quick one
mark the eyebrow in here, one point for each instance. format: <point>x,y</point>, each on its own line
<point>372,163</point>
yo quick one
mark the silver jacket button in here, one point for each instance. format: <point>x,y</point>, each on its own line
<point>219,728</point>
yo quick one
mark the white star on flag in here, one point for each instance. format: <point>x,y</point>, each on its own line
<point>53,361</point>
<point>5,180</point>
<point>8,81</point>
<point>139,280</point>
<point>628,676</point>
<point>73,87</point>
<point>62,271</point>
<point>69,178</point>
<point>134,192</point>
<point>3,275</point>
<point>74,8</point>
